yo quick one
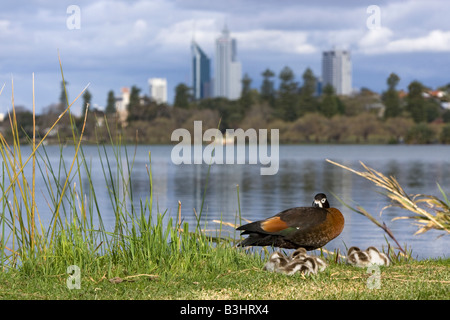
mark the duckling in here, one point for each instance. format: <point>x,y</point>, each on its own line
<point>320,263</point>
<point>377,257</point>
<point>358,258</point>
<point>276,260</point>
<point>300,254</point>
<point>306,266</point>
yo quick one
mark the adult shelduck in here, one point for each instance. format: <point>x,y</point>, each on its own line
<point>307,227</point>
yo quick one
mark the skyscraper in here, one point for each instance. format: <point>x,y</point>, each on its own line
<point>201,74</point>
<point>337,71</point>
<point>158,89</point>
<point>228,70</point>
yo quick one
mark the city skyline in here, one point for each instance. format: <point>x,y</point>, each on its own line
<point>337,71</point>
<point>228,70</point>
<point>123,43</point>
<point>201,73</point>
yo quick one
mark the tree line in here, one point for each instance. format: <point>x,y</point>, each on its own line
<point>299,111</point>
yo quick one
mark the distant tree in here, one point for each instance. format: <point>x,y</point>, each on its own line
<point>110,103</point>
<point>445,134</point>
<point>287,101</point>
<point>246,99</point>
<point>87,97</point>
<point>416,102</point>
<point>267,92</point>
<point>391,99</point>
<point>446,116</point>
<point>420,133</point>
<point>329,105</point>
<point>432,110</point>
<point>63,97</point>
<point>183,96</point>
<point>308,102</point>
<point>134,106</point>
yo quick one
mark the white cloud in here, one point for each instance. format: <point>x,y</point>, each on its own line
<point>274,40</point>
<point>381,41</point>
<point>434,41</point>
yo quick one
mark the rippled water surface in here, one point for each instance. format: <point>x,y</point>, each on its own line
<point>303,172</point>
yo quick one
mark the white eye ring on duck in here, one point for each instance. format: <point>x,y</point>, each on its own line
<point>323,200</point>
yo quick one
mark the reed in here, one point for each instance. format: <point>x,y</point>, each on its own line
<point>142,240</point>
<point>425,211</point>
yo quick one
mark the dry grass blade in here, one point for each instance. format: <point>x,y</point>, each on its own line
<point>437,218</point>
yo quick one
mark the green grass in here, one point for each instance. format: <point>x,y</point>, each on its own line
<point>241,279</point>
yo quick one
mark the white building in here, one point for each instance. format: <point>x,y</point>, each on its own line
<point>158,89</point>
<point>228,71</point>
<point>337,71</point>
<point>122,104</point>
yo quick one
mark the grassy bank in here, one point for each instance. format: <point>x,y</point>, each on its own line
<point>240,278</point>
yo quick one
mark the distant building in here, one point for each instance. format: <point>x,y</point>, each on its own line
<point>337,71</point>
<point>201,73</point>
<point>158,89</point>
<point>228,71</point>
<point>122,104</point>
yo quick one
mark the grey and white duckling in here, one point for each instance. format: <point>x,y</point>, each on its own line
<point>358,258</point>
<point>377,257</point>
<point>276,260</point>
<point>299,254</point>
<point>305,265</point>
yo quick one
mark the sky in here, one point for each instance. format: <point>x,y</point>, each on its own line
<point>113,44</point>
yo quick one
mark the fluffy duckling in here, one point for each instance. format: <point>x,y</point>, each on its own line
<point>358,258</point>
<point>276,261</point>
<point>320,263</point>
<point>377,257</point>
<point>306,266</point>
<point>300,254</point>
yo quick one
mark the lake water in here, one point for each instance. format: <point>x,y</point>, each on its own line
<point>303,172</point>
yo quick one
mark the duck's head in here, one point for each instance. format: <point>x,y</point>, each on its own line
<point>320,201</point>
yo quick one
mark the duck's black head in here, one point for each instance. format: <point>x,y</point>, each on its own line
<point>320,201</point>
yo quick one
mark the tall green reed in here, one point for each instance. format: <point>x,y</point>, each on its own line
<point>141,240</point>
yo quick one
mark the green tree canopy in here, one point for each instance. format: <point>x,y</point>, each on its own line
<point>391,99</point>
<point>134,105</point>
<point>183,96</point>
<point>267,87</point>
<point>110,103</point>
<point>287,102</point>
<point>87,98</point>
<point>308,102</point>
<point>329,105</point>
<point>416,102</point>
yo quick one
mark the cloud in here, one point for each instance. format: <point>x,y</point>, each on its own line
<point>434,41</point>
<point>274,40</point>
<point>380,41</point>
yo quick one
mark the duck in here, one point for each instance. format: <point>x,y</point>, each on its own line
<point>276,261</point>
<point>377,257</point>
<point>358,258</point>
<point>307,227</point>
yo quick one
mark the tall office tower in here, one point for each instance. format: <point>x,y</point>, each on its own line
<point>228,71</point>
<point>158,89</point>
<point>201,74</point>
<point>337,71</point>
